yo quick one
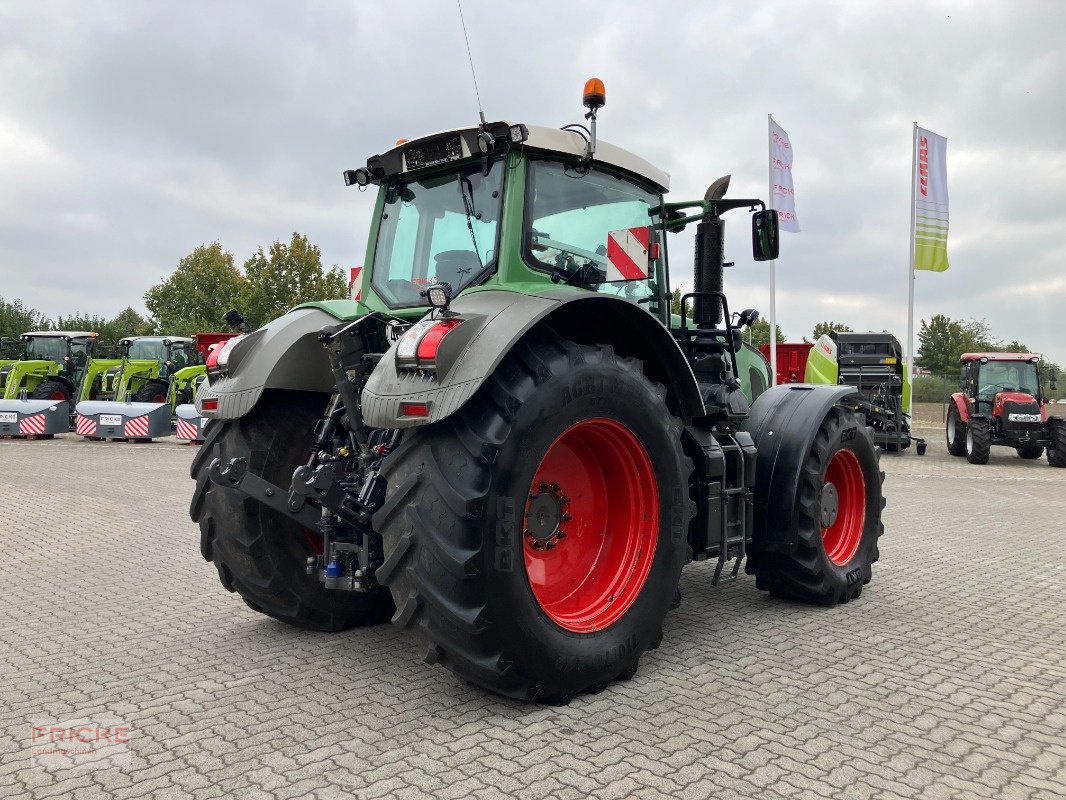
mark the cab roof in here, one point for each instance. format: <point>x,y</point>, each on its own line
<point>549,140</point>
<point>61,334</point>
<point>171,339</point>
<point>1001,356</point>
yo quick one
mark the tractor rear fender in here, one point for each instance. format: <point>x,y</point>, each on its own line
<point>962,404</point>
<point>495,321</point>
<point>283,354</point>
<point>783,423</point>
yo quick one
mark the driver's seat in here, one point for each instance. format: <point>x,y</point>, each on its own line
<point>457,267</point>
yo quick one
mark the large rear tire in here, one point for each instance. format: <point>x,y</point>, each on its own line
<point>533,541</point>
<point>956,432</point>
<point>840,503</point>
<point>259,553</point>
<point>978,441</point>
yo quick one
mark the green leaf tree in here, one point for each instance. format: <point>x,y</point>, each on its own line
<point>824,328</point>
<point>198,294</point>
<point>759,334</point>
<point>942,341</point>
<point>17,318</point>
<point>285,276</point>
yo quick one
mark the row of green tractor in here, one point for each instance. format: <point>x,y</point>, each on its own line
<point>63,366</point>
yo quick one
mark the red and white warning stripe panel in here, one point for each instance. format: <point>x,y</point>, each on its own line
<point>136,427</point>
<point>187,430</point>
<point>628,254</point>
<point>85,426</point>
<point>32,426</point>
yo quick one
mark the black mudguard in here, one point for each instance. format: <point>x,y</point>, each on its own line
<point>783,423</point>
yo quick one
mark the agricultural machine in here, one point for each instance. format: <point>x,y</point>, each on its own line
<point>508,445</point>
<point>1002,403</point>
<point>154,369</point>
<point>151,389</point>
<point>55,369</point>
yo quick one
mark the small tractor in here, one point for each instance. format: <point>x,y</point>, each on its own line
<point>154,369</point>
<point>509,445</point>
<point>1002,403</point>
<point>54,365</point>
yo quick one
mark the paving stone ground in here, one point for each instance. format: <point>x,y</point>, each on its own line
<point>946,679</point>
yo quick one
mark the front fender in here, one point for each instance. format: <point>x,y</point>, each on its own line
<point>783,423</point>
<point>494,321</point>
<point>962,403</point>
<point>283,354</point>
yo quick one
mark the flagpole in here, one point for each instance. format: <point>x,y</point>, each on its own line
<point>910,276</point>
<point>773,262</point>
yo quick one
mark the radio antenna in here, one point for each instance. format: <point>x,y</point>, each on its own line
<point>473,74</point>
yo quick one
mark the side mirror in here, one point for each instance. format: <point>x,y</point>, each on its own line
<point>747,318</point>
<point>1053,378</point>
<point>765,244</point>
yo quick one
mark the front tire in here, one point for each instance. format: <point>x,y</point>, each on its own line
<point>1032,451</point>
<point>1056,451</point>
<point>561,439</point>
<point>978,441</point>
<point>260,554</point>
<point>51,390</point>
<point>152,392</point>
<point>956,432</point>
<point>840,503</point>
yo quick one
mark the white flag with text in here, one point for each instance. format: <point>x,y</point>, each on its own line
<point>784,195</point>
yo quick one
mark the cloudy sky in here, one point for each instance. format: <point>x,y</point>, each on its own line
<point>131,132</point>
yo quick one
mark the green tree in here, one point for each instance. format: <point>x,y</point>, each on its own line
<point>759,334</point>
<point>17,318</point>
<point>942,341</point>
<point>675,302</point>
<point>197,294</point>
<point>824,328</point>
<point>285,276</point>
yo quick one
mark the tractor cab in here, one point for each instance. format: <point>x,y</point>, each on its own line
<point>70,350</point>
<point>529,209</point>
<point>172,353</point>
<point>994,380</point>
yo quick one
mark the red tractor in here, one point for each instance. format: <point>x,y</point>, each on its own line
<point>1002,403</point>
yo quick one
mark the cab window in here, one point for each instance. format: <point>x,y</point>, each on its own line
<point>440,229</point>
<point>570,216</point>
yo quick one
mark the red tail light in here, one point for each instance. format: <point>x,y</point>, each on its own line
<point>414,410</point>
<point>431,339</point>
<point>210,404</point>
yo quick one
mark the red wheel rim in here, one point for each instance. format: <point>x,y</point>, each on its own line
<point>57,395</point>
<point>843,512</point>
<point>591,525</point>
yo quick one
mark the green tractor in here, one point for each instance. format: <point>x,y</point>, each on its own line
<point>54,365</point>
<point>154,369</point>
<point>508,445</point>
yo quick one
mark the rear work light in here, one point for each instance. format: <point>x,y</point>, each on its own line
<point>417,348</point>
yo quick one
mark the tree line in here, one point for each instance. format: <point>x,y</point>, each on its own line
<point>204,286</point>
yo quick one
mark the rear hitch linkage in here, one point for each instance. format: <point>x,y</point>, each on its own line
<point>340,487</point>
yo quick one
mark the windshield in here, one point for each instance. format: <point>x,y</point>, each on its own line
<point>571,215</point>
<point>46,348</point>
<point>440,229</point>
<point>1006,376</point>
<point>147,350</point>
